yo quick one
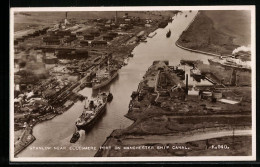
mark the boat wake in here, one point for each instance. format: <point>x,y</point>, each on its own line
<point>82,135</point>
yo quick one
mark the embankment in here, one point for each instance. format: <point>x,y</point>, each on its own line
<point>207,34</point>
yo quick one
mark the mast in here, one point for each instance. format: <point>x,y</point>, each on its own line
<point>108,64</point>
<point>85,103</point>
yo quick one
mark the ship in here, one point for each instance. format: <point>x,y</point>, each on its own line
<point>93,110</point>
<point>168,34</point>
<point>75,137</point>
<point>231,63</point>
<point>104,77</point>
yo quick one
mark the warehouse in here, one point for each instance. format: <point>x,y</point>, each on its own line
<point>98,43</point>
<point>83,43</point>
<point>113,34</point>
<point>107,37</point>
<point>52,41</point>
<point>95,34</point>
<point>88,37</point>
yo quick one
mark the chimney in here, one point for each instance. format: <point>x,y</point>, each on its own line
<point>187,87</point>
<point>116,17</point>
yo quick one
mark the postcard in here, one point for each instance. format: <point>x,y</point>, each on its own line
<point>132,84</point>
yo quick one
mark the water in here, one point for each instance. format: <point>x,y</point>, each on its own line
<point>58,131</point>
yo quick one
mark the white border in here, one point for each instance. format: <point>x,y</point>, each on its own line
<point>123,159</point>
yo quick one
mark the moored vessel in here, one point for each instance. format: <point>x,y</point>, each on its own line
<point>104,77</point>
<point>93,110</point>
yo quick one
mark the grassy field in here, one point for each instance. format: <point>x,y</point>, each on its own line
<point>234,23</point>
<point>218,31</point>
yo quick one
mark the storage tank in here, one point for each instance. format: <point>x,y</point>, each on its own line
<point>206,94</point>
<point>217,94</point>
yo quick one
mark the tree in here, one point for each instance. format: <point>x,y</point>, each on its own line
<point>22,64</point>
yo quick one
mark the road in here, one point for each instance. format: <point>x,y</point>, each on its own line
<point>164,139</point>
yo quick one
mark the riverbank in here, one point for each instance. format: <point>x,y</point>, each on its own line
<point>163,117</point>
<point>26,138</point>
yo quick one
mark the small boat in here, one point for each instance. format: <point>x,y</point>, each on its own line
<point>75,137</point>
<point>131,55</point>
<point>168,34</point>
<point>152,35</point>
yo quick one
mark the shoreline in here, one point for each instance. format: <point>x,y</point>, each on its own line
<point>196,51</point>
<point>192,50</point>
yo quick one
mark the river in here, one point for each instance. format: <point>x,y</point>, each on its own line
<point>56,133</point>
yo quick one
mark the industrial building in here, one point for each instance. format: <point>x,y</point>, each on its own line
<point>98,43</point>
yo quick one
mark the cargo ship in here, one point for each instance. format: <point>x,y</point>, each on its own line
<point>104,77</point>
<point>230,62</point>
<point>93,110</point>
<point>168,34</point>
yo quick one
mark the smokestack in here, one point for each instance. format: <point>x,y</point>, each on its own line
<point>116,17</point>
<point>66,15</point>
<point>187,87</point>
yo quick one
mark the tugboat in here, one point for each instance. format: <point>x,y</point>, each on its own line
<point>93,110</point>
<point>104,77</point>
<point>75,137</point>
<point>168,34</point>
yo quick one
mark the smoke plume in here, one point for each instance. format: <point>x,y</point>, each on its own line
<point>242,48</point>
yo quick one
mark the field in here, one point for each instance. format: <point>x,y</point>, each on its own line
<point>218,31</point>
<point>234,23</point>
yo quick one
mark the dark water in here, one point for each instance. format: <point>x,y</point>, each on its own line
<point>58,131</point>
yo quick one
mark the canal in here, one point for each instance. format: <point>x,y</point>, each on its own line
<point>56,133</point>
